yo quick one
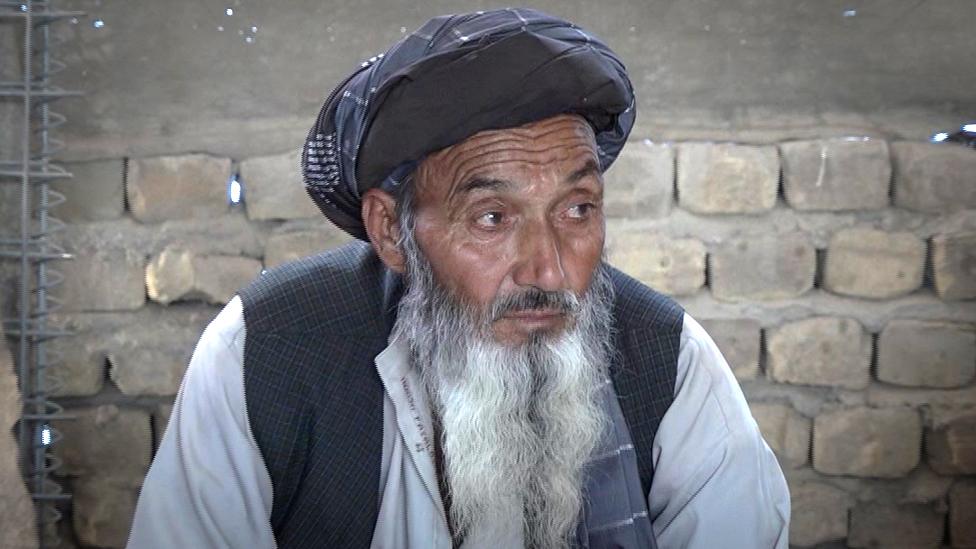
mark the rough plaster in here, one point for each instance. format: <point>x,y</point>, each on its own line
<point>161,78</point>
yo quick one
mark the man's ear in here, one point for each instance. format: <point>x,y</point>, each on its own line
<point>380,219</point>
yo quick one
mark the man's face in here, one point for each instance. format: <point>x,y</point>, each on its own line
<point>509,210</point>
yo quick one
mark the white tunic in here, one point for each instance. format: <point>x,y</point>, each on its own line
<point>716,483</point>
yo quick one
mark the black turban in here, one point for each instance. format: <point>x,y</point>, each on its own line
<point>454,77</point>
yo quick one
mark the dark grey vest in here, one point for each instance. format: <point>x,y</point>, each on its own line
<point>315,401</point>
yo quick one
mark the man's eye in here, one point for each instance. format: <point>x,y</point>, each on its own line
<point>490,219</point>
<point>580,211</point>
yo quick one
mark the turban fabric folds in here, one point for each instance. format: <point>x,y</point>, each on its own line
<point>454,77</point>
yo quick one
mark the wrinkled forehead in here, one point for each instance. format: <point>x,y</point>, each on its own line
<point>564,139</point>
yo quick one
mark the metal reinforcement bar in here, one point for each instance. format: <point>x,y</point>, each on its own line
<point>35,251</point>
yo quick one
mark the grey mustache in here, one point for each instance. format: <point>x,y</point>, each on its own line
<point>535,299</point>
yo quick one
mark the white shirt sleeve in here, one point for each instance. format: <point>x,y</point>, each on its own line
<point>208,485</point>
<point>716,482</point>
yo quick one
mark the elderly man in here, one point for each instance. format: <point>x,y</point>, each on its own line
<point>472,375</point>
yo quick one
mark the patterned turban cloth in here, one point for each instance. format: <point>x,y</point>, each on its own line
<point>454,77</point>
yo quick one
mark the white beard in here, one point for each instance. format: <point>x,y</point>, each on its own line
<point>518,423</point>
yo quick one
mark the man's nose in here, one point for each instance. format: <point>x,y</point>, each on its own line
<point>540,262</point>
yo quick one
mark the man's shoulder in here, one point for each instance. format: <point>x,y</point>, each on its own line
<point>326,291</point>
<point>639,307</point>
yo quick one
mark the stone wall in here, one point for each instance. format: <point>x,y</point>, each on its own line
<point>159,248</point>
<point>838,277</point>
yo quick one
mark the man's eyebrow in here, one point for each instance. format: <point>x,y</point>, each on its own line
<point>493,184</point>
<point>479,183</point>
<point>590,168</point>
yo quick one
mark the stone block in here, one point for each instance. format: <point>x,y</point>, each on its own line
<point>177,187</point>
<point>16,508</point>
<point>934,177</point>
<point>670,266</point>
<point>864,262</point>
<point>170,275</point>
<point>836,174</point>
<point>81,367</point>
<point>106,279</point>
<point>11,110</point>
<point>10,209</point>
<point>911,526</point>
<point>289,245</point>
<point>230,234</point>
<point>829,351</point>
<point>921,353</point>
<point>103,508</point>
<point>819,513</point>
<point>147,351</point>
<point>217,278</point>
<point>9,279</point>
<point>763,267</point>
<point>954,265</point>
<point>95,193</point>
<point>274,188</point>
<point>105,441</point>
<point>951,446</point>
<point>923,485</point>
<point>786,431</point>
<point>867,442</point>
<point>725,178</point>
<point>640,183</point>
<point>177,274</point>
<point>738,339</point>
<point>881,394</point>
<point>151,359</point>
<point>962,513</point>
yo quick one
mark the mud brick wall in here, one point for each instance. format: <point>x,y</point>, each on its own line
<point>838,276</point>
